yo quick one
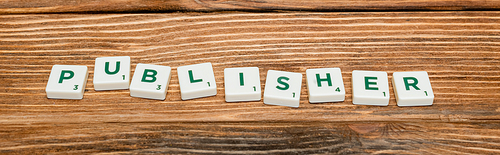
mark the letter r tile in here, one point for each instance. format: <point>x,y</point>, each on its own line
<point>412,88</point>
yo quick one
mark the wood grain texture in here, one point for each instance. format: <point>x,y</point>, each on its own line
<point>100,6</point>
<point>251,138</point>
<point>459,50</point>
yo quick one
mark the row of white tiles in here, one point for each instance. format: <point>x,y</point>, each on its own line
<point>241,84</point>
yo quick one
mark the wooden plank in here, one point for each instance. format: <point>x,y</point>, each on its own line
<point>459,50</point>
<point>252,138</point>
<point>100,6</point>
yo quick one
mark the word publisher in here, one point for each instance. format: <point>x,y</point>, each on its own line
<point>241,84</point>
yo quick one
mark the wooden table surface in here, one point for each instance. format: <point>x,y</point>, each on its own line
<point>456,42</point>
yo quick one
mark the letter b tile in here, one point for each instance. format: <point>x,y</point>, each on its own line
<point>150,81</point>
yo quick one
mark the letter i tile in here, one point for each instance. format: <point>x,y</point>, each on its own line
<point>242,84</point>
<point>67,82</point>
<point>150,81</point>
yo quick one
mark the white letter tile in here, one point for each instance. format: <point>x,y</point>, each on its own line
<point>197,81</point>
<point>325,85</point>
<point>282,88</point>
<point>370,88</point>
<point>67,82</point>
<point>150,81</point>
<point>242,84</point>
<point>412,88</point>
<point>111,73</point>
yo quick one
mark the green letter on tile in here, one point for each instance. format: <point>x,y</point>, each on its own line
<point>368,83</point>
<point>63,77</point>
<point>242,83</point>
<point>414,84</point>
<point>191,78</point>
<point>106,68</point>
<point>280,81</point>
<point>146,74</point>
<point>328,79</point>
